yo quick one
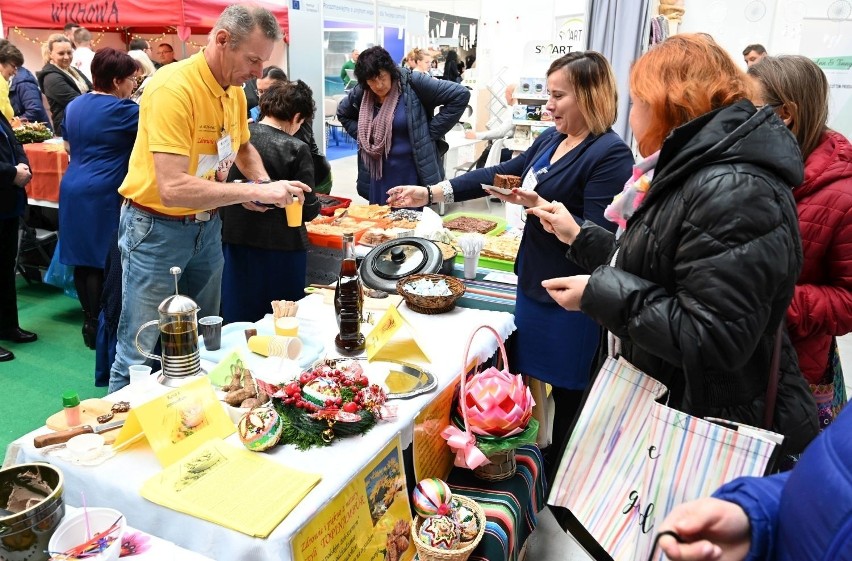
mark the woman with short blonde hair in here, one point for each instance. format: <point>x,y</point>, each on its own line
<point>581,163</point>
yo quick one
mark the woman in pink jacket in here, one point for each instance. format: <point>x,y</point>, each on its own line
<point>821,309</point>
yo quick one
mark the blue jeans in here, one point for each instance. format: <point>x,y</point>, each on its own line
<point>150,246</point>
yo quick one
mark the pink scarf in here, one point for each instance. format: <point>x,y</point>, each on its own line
<point>375,132</point>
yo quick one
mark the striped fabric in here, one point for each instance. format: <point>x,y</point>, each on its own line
<point>630,460</point>
<point>510,506</point>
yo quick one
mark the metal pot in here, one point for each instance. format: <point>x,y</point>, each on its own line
<point>388,262</point>
<point>24,535</point>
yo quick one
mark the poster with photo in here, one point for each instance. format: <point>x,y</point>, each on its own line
<point>369,520</point>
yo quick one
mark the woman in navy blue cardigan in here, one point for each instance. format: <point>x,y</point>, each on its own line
<point>583,164</point>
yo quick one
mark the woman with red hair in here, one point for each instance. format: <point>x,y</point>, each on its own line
<point>693,286</point>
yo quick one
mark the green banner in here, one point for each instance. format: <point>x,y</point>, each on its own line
<point>834,62</point>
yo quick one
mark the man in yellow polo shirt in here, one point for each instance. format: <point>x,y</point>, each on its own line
<point>192,128</point>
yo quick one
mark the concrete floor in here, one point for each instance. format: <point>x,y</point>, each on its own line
<point>549,542</point>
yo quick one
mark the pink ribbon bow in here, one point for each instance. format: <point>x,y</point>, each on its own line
<point>464,445</point>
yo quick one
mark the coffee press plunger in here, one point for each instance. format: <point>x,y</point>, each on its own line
<point>178,337</point>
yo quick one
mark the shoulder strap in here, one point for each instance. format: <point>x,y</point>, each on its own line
<point>772,383</point>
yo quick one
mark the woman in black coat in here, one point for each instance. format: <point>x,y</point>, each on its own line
<point>265,259</point>
<point>14,175</point>
<point>695,284</point>
<point>451,67</point>
<point>60,81</point>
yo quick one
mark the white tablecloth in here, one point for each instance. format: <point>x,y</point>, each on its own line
<point>116,483</point>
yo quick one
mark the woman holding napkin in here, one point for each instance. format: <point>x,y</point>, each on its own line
<point>265,259</point>
<point>581,163</point>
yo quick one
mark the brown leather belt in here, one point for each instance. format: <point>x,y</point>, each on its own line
<point>198,217</point>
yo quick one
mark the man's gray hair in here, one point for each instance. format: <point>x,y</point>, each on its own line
<point>241,20</point>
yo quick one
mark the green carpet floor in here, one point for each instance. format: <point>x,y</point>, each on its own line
<point>33,383</point>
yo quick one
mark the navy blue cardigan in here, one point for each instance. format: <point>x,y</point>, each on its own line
<point>585,180</point>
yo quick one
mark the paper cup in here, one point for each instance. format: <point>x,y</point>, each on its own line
<point>471,262</point>
<point>287,327</point>
<point>288,347</point>
<point>140,375</point>
<point>294,214</point>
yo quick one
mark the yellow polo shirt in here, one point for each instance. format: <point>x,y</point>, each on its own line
<point>183,111</point>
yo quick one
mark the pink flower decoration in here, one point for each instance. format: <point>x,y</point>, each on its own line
<point>498,403</point>
<point>134,543</point>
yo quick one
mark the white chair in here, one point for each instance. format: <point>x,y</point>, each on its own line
<point>332,125</point>
<point>492,160</point>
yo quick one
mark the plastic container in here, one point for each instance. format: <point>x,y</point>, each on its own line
<point>330,203</point>
<point>71,405</point>
<point>24,536</point>
<point>72,532</point>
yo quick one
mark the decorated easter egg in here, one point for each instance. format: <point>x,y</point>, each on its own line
<point>321,389</point>
<point>260,429</point>
<point>467,522</point>
<point>440,532</point>
<point>431,496</point>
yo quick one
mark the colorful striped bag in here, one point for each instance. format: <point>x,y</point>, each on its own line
<point>630,460</point>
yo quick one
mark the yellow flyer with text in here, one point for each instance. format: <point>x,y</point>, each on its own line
<point>369,520</point>
<point>178,422</point>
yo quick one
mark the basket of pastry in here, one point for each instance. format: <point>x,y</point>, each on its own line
<point>430,293</point>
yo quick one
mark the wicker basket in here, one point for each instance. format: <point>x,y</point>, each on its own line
<point>502,466</point>
<point>431,304</point>
<point>429,553</point>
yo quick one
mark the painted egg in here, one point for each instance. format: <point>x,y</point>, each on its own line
<point>440,532</point>
<point>467,521</point>
<point>431,496</point>
<point>260,429</point>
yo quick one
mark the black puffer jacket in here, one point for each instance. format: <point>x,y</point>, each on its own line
<point>422,94</point>
<point>706,269</point>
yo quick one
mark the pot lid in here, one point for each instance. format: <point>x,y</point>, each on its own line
<point>177,303</point>
<point>395,259</point>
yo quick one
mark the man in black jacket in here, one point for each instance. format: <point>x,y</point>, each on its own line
<point>14,175</point>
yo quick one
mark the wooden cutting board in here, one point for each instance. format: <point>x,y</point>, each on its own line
<point>90,410</point>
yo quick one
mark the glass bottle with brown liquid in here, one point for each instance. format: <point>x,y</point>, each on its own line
<point>349,301</point>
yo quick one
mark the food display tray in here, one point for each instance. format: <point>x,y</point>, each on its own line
<point>491,263</point>
<point>497,230</point>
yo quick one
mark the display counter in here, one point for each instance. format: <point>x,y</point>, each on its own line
<point>116,482</point>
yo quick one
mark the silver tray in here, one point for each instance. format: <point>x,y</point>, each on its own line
<point>425,383</point>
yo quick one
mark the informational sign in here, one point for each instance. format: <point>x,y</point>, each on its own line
<point>432,457</point>
<point>829,44</point>
<point>393,338</point>
<point>571,31</point>
<point>369,520</point>
<point>177,422</point>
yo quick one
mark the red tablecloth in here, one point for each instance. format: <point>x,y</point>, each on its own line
<point>48,163</point>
